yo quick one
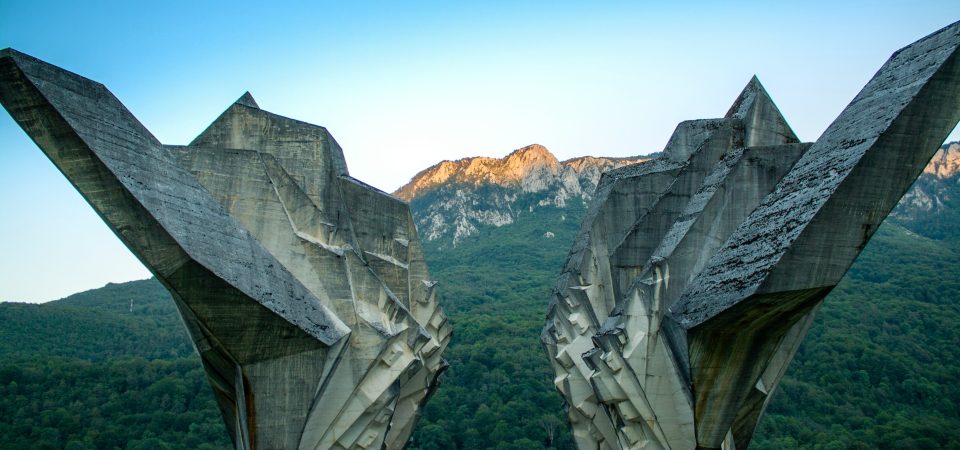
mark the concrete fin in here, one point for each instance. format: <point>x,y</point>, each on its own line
<point>728,195</point>
<point>753,408</point>
<point>630,254</point>
<point>247,100</point>
<point>746,99</point>
<point>280,394</point>
<point>226,314</point>
<point>749,126</point>
<point>764,122</point>
<point>689,136</point>
<point>625,192</point>
<point>307,152</point>
<point>730,353</point>
<point>376,388</point>
<point>307,220</point>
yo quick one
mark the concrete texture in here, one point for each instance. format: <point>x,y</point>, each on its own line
<point>305,291</point>
<point>695,277</point>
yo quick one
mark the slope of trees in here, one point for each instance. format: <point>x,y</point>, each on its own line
<point>96,325</point>
<point>92,371</point>
<point>127,403</point>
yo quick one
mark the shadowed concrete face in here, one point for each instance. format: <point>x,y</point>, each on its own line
<point>696,276</point>
<point>305,291</point>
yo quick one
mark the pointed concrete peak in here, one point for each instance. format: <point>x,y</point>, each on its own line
<point>765,124</point>
<point>12,53</point>
<point>746,98</point>
<point>247,100</point>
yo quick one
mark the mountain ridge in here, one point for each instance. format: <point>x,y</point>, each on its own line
<point>946,162</point>
<point>456,199</point>
<point>933,202</point>
<point>516,167</point>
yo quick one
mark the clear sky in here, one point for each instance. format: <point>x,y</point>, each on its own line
<point>404,85</point>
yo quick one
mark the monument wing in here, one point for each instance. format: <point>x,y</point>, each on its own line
<point>304,290</point>
<point>696,276</point>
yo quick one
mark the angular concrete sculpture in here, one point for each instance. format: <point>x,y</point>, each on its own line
<point>695,276</point>
<point>305,291</point>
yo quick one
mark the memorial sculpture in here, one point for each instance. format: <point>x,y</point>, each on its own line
<point>304,290</point>
<point>695,276</point>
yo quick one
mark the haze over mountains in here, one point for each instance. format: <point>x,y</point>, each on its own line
<point>113,368</point>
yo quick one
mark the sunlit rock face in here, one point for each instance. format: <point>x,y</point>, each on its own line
<point>695,276</point>
<point>456,198</point>
<point>946,162</point>
<point>304,290</point>
<point>935,192</point>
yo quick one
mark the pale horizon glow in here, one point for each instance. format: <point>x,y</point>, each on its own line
<point>403,86</point>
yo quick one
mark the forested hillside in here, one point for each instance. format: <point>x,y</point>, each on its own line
<point>112,367</point>
<point>97,371</point>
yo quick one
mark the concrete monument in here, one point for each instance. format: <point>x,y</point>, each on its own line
<point>695,276</point>
<point>304,290</point>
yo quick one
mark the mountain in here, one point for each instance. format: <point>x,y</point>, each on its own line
<point>878,369</point>
<point>454,200</point>
<point>933,203</point>
<point>945,164</point>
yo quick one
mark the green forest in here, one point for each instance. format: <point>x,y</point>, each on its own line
<point>113,368</point>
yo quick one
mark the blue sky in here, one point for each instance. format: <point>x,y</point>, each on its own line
<point>403,86</point>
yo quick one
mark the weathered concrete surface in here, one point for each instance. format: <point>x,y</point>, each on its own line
<point>304,290</point>
<point>696,276</point>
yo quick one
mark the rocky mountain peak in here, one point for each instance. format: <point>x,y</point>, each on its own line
<point>932,195</point>
<point>946,162</point>
<point>525,180</point>
<point>532,156</point>
<point>520,167</point>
